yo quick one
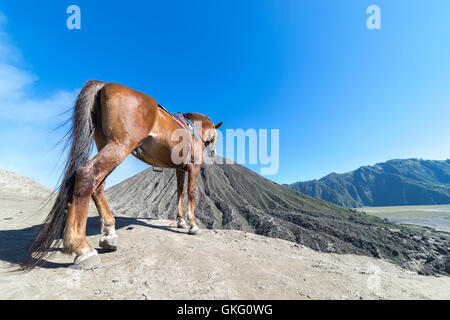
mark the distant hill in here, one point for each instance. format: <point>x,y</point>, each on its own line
<point>392,183</point>
<point>12,183</point>
<point>237,198</point>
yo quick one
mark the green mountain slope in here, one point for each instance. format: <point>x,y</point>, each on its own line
<point>392,183</point>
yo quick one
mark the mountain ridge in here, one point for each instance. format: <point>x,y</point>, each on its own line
<point>394,182</point>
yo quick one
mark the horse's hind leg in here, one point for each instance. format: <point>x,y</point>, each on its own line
<point>109,237</point>
<point>88,178</point>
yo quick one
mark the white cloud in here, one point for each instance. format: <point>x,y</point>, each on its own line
<point>26,140</point>
<point>13,80</point>
<point>35,111</point>
<point>26,122</point>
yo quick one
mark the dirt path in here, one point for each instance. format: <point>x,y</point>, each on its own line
<point>158,261</point>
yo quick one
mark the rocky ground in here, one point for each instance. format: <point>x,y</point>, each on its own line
<point>158,261</point>
<point>237,198</point>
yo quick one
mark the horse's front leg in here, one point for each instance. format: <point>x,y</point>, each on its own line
<point>193,171</point>
<point>181,223</point>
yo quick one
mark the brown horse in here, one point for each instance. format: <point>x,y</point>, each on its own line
<point>120,120</point>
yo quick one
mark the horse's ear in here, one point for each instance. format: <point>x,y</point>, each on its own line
<point>218,125</point>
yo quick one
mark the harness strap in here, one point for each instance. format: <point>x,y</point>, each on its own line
<point>204,187</point>
<point>186,127</point>
<point>194,128</point>
<point>186,124</point>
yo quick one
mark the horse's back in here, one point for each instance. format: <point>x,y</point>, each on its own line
<point>126,112</point>
<point>117,95</point>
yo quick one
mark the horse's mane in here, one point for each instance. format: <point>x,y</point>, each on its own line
<point>195,116</point>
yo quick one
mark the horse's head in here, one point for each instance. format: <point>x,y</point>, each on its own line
<point>208,130</point>
<point>211,139</point>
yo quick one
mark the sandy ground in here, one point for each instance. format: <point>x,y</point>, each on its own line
<point>158,261</point>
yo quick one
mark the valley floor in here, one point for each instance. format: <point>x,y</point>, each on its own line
<point>436,217</point>
<point>158,261</point>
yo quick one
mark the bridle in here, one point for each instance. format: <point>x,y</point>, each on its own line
<point>195,132</point>
<point>209,142</point>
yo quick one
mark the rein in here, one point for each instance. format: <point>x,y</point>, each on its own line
<point>204,186</point>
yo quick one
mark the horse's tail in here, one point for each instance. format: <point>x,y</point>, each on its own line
<point>79,138</point>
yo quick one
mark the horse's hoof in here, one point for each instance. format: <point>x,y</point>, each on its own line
<point>182,224</point>
<point>195,230</point>
<point>89,261</point>
<point>108,242</point>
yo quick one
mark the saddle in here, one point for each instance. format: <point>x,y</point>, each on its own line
<point>183,121</point>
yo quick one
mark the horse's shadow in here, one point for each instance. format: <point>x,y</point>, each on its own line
<point>14,244</point>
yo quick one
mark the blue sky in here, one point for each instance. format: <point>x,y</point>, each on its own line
<point>341,95</point>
